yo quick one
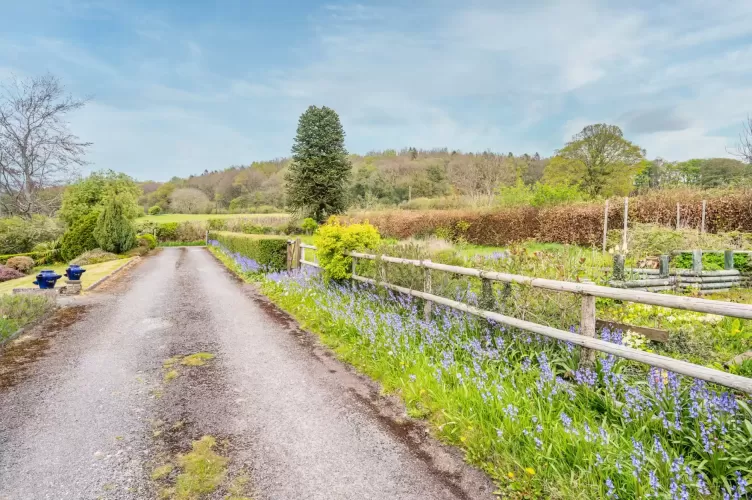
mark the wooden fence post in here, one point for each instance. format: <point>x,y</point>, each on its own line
<point>605,226</point>
<point>626,218</point>
<point>618,274</point>
<point>697,261</point>
<point>289,256</point>
<point>206,240</point>
<point>296,254</point>
<point>704,209</point>
<point>354,266</point>
<point>728,260</point>
<point>663,266</point>
<point>428,305</point>
<point>587,328</point>
<point>678,216</point>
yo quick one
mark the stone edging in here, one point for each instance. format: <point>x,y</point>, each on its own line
<point>113,273</point>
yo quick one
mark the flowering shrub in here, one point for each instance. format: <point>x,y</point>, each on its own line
<point>522,410</point>
<point>333,240</point>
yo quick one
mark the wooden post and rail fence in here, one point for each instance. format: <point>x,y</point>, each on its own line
<point>589,292</point>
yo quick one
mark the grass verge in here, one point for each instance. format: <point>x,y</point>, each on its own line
<point>17,311</point>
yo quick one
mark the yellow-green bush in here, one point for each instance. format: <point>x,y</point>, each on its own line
<point>333,240</point>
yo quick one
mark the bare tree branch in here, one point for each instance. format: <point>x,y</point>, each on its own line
<point>744,146</point>
<point>37,151</point>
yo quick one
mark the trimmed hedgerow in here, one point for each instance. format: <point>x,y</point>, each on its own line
<point>268,252</point>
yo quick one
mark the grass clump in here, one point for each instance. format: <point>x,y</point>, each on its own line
<point>198,359</point>
<point>203,470</point>
<point>17,311</point>
<point>162,472</point>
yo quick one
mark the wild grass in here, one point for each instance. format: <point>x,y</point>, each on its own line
<point>520,407</point>
<point>17,311</point>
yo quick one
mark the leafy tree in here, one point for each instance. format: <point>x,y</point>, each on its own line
<point>114,231</point>
<point>79,237</point>
<point>320,169</point>
<point>155,210</point>
<point>90,194</point>
<point>599,160</point>
<point>716,172</point>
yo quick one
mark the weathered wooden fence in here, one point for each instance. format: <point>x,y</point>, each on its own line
<point>589,292</point>
<point>663,278</point>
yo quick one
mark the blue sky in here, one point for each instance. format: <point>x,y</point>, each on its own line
<point>179,87</point>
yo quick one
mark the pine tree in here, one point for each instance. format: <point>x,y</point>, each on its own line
<point>114,232</point>
<point>320,169</point>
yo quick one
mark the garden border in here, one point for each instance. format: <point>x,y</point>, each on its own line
<point>589,292</point>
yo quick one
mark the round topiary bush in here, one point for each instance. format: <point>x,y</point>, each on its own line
<point>79,238</point>
<point>155,210</point>
<point>8,273</point>
<point>21,263</point>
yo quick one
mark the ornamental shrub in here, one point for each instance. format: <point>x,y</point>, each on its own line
<point>96,256</point>
<point>114,231</point>
<point>155,210</point>
<point>269,252</point>
<point>334,239</point>
<point>21,263</point>
<point>147,240</point>
<point>8,273</point>
<point>309,225</point>
<point>167,231</point>
<point>79,238</point>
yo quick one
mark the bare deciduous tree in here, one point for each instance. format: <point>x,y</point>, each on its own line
<point>744,146</point>
<point>37,150</point>
<point>189,201</point>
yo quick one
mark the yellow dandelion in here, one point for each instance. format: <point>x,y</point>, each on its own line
<point>530,471</point>
<point>510,475</point>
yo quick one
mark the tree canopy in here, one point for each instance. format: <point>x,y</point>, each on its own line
<point>319,173</point>
<point>599,160</point>
<point>90,193</point>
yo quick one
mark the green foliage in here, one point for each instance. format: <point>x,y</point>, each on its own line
<point>114,231</point>
<point>713,261</point>
<point>217,224</point>
<point>91,193</point>
<point>598,160</point>
<point>167,231</point>
<point>20,235</point>
<point>147,240</point>
<point>155,210</point>
<point>80,237</point>
<point>96,256</point>
<point>309,225</point>
<point>16,311</point>
<point>196,243</point>
<point>538,194</point>
<point>320,170</point>
<point>21,263</point>
<point>266,253</point>
<point>334,239</point>
<point>39,257</point>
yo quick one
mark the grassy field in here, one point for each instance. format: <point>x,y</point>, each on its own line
<point>198,217</point>
<point>93,274</point>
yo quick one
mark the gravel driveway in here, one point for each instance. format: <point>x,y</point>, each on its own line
<point>97,397</point>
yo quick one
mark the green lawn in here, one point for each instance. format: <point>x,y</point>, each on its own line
<point>93,273</point>
<point>198,217</point>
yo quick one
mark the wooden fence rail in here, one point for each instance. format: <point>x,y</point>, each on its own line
<point>587,320</point>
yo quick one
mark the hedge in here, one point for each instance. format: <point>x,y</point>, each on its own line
<point>39,257</point>
<point>580,223</point>
<point>269,252</point>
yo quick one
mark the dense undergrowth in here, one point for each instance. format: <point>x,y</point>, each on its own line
<point>520,407</point>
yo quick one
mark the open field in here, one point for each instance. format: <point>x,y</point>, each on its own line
<point>200,217</point>
<point>93,273</point>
